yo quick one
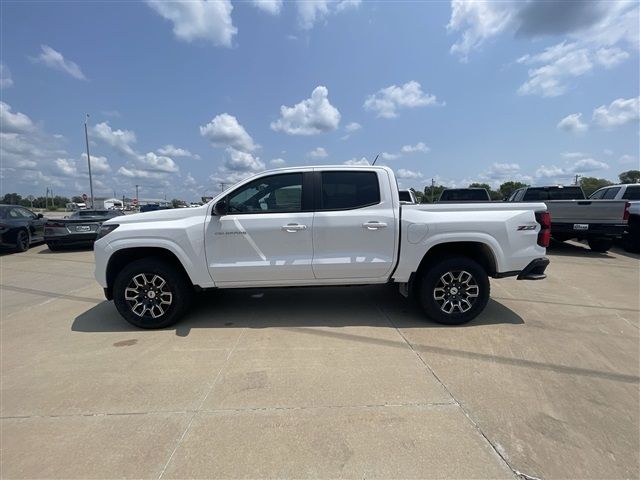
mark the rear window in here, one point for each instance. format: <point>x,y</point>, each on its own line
<point>553,193</point>
<point>348,190</point>
<point>632,193</point>
<point>464,195</point>
<point>404,196</point>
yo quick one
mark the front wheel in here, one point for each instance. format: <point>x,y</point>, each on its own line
<point>454,290</point>
<point>151,293</point>
<point>601,245</point>
<point>22,241</point>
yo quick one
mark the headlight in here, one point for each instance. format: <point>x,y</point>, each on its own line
<point>106,229</point>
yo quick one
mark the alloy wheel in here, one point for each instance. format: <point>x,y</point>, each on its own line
<point>148,294</point>
<point>456,292</point>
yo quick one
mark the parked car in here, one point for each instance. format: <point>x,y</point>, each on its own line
<point>319,226</point>
<point>80,229</point>
<point>631,193</point>
<point>464,195</point>
<point>152,207</point>
<point>407,196</point>
<point>20,227</point>
<point>599,222</point>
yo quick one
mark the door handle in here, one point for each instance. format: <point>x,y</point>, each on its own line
<point>293,227</point>
<point>374,225</point>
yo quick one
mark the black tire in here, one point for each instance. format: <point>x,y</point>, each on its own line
<point>601,245</point>
<point>148,315</point>
<point>451,269</point>
<point>23,241</point>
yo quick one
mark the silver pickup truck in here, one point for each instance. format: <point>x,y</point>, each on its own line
<point>599,222</point>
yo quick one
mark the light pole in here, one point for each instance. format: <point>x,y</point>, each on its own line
<point>86,137</point>
<point>137,198</point>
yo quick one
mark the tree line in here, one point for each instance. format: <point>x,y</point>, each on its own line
<point>588,184</point>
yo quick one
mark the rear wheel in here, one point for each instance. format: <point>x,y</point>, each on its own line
<point>454,291</point>
<point>22,241</point>
<point>151,293</point>
<point>600,244</point>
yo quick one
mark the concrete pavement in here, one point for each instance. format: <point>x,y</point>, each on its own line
<point>322,382</point>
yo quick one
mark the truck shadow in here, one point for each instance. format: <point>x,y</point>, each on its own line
<point>376,306</point>
<point>574,249</point>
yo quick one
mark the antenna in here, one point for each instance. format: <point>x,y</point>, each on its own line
<point>375,159</point>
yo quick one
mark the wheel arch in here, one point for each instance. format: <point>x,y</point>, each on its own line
<point>121,258</point>
<point>477,251</point>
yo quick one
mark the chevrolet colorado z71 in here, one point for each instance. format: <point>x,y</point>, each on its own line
<point>319,226</point>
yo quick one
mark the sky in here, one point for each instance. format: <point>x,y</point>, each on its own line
<point>185,96</point>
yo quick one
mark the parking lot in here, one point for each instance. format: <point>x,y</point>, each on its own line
<point>322,382</point>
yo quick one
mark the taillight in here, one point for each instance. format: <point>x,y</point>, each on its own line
<point>544,235</point>
<point>54,225</point>
<point>626,211</point>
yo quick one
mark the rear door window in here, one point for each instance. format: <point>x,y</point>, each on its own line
<point>611,193</point>
<point>348,190</point>
<point>632,193</point>
<point>598,195</point>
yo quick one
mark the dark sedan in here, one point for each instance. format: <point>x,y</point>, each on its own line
<point>78,230</point>
<point>20,227</point>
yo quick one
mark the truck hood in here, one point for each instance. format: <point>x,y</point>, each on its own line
<point>170,214</point>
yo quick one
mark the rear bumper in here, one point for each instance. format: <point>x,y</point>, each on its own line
<point>535,270</point>
<point>595,230</point>
<point>71,239</point>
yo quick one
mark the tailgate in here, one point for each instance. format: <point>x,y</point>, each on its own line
<point>586,211</point>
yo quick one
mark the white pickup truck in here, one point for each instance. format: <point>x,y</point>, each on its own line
<point>319,226</point>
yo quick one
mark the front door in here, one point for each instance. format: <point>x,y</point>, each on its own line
<point>266,236</point>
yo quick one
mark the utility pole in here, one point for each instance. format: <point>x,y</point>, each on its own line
<point>46,199</point>
<point>433,183</point>
<point>222,185</point>
<point>576,180</point>
<point>137,198</point>
<point>86,137</point>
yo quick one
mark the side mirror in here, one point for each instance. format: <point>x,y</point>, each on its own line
<point>220,208</point>
<point>40,215</point>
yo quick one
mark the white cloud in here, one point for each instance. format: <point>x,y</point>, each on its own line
<point>352,127</point>
<point>610,57</point>
<point>199,20</point>
<point>619,112</point>
<point>99,165</point>
<point>309,117</point>
<point>157,163</point>
<point>242,161</point>
<point>172,151</point>
<point>120,140</point>
<point>277,162</point>
<point>357,161</point>
<point>229,178</point>
<point>5,77</point>
<point>408,174</point>
<point>139,173</point>
<point>54,59</point>
<point>418,147</point>
<point>225,131</point>
<point>14,122</point>
<point>270,6</point>
<point>66,167</point>
<point>573,123</point>
<point>581,166</point>
<point>311,12</point>
<point>596,33</point>
<point>389,156</point>
<point>318,152</point>
<point>387,101</point>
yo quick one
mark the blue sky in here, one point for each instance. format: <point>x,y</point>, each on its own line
<point>183,96</point>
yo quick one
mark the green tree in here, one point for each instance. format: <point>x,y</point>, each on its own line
<point>418,195</point>
<point>630,176</point>
<point>427,196</point>
<point>177,203</point>
<point>77,199</point>
<point>507,188</point>
<point>591,184</point>
<point>494,195</point>
<point>12,199</point>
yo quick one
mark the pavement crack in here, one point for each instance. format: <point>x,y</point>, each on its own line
<point>199,408</point>
<point>475,425</point>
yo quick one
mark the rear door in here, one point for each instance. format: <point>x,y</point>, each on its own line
<point>354,225</point>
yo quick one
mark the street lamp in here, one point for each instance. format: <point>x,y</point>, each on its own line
<point>86,137</point>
